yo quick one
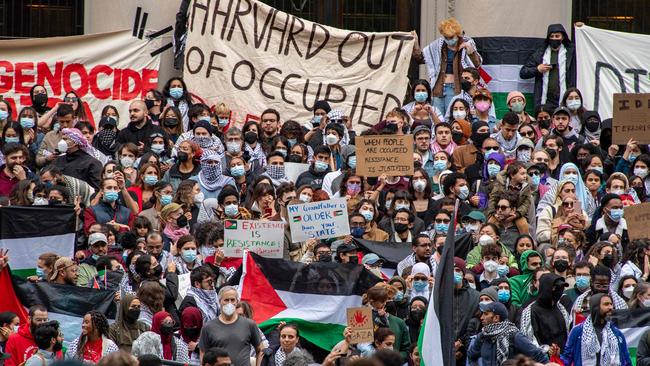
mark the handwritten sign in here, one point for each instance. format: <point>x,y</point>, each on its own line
<point>184,284</point>
<point>265,238</point>
<point>321,220</point>
<point>631,118</point>
<point>384,154</point>
<point>361,324</point>
<point>637,218</point>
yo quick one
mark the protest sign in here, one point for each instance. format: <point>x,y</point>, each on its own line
<point>637,218</point>
<point>293,170</point>
<point>602,72</point>
<point>107,68</point>
<point>265,238</point>
<point>384,154</point>
<point>361,324</point>
<point>321,220</point>
<point>184,284</point>
<point>631,118</point>
<point>252,57</point>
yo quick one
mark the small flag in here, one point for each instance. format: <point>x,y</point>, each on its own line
<point>231,225</point>
<point>338,213</point>
<point>95,283</point>
<point>297,218</point>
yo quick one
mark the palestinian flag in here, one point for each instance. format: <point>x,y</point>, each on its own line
<point>633,324</point>
<point>313,296</point>
<point>502,60</point>
<point>65,303</point>
<point>230,225</point>
<point>30,231</point>
<point>390,252</point>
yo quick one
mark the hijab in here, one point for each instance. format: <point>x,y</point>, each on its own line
<point>191,318</point>
<point>128,331</point>
<point>166,340</point>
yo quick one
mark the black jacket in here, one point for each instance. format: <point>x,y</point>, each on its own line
<point>82,166</point>
<point>132,134</point>
<point>548,323</point>
<point>311,178</point>
<point>529,69</point>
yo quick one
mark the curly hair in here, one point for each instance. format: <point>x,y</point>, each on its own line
<point>450,27</point>
<point>100,324</point>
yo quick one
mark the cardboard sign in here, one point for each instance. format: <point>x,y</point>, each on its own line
<point>637,218</point>
<point>265,238</point>
<point>184,284</point>
<point>293,170</point>
<point>361,323</point>
<point>384,154</point>
<point>252,57</point>
<point>321,220</point>
<point>631,118</point>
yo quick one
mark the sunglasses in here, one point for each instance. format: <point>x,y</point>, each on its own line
<point>492,148</point>
<point>530,174</point>
<point>528,133</point>
<point>502,208</point>
<point>568,204</point>
<point>443,221</point>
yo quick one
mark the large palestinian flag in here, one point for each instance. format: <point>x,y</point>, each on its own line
<point>502,60</point>
<point>633,324</point>
<point>65,303</point>
<point>33,230</point>
<point>314,296</point>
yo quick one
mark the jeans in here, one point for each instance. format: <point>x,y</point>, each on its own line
<point>448,94</point>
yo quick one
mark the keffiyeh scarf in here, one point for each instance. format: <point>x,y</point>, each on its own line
<point>257,153</point>
<point>211,177</point>
<point>590,347</point>
<point>501,333</point>
<point>206,300</point>
<point>618,301</point>
<point>527,325</point>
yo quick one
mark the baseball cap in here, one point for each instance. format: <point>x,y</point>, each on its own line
<point>496,308</point>
<point>60,265</point>
<point>346,247</point>
<point>107,121</point>
<point>95,238</point>
<point>371,258</point>
<point>476,216</point>
<point>561,109</point>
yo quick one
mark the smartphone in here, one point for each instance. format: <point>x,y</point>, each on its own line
<point>577,206</point>
<point>268,211</point>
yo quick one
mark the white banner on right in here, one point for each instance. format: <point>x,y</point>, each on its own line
<point>610,62</point>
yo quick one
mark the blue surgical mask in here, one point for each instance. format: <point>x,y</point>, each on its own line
<point>352,161</point>
<point>282,151</point>
<point>535,180</point>
<point>157,148</point>
<point>504,295</point>
<point>420,286</point>
<point>451,42</point>
<point>95,256</point>
<point>189,255</point>
<point>237,171</point>
<point>458,278</point>
<point>631,158</point>
<point>399,296</point>
<point>222,122</point>
<point>421,97</point>
<point>3,115</point>
<point>150,180</point>
<point>231,210</point>
<point>110,196</point>
<point>439,165</point>
<point>399,206</point>
<point>463,192</point>
<point>165,199</point>
<point>442,228</point>
<point>503,270</point>
<point>176,92</point>
<point>616,214</point>
<point>367,214</point>
<point>26,122</point>
<point>292,142</point>
<point>493,170</point>
<point>320,166</point>
<point>40,273</point>
<point>357,232</point>
<point>316,120</point>
<point>582,282</point>
<point>598,169</point>
<point>12,139</point>
<point>205,119</point>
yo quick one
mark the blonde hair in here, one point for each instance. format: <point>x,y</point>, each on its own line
<point>450,27</point>
<point>221,109</point>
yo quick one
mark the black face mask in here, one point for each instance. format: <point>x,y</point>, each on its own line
<point>157,272</point>
<point>557,293</point>
<point>250,137</point>
<point>40,100</point>
<point>166,329</point>
<point>57,347</point>
<point>182,156</point>
<point>608,260</point>
<point>181,221</point>
<point>457,136</point>
<point>390,129</point>
<point>466,85</point>
<point>170,122</point>
<point>592,126</point>
<point>478,138</point>
<point>640,191</point>
<point>554,43</point>
<point>149,103</point>
<point>561,265</point>
<point>192,332</point>
<point>417,165</point>
<point>417,315</point>
<point>552,153</point>
<point>401,227</point>
<point>439,249</point>
<point>324,258</point>
<point>55,202</point>
<point>133,314</point>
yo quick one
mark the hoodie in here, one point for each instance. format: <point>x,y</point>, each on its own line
<point>312,178</point>
<point>20,346</point>
<point>519,285</point>
<point>549,325</point>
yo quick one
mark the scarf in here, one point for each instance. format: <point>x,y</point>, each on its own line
<point>166,340</point>
<point>432,57</point>
<point>191,318</point>
<point>211,177</point>
<point>105,141</point>
<point>619,303</point>
<point>527,325</point>
<point>509,147</point>
<point>206,300</point>
<point>257,153</point>
<point>276,172</point>
<point>175,233</point>
<point>500,333</point>
<point>590,347</point>
<point>449,149</point>
<point>561,64</point>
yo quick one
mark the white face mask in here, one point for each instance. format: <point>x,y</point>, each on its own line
<point>229,309</point>
<point>305,198</point>
<point>485,240</point>
<point>490,266</point>
<point>627,292</point>
<point>459,115</point>
<point>646,303</point>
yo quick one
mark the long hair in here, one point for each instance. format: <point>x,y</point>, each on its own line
<point>100,324</point>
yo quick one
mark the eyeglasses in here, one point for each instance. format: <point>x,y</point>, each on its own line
<point>71,100</point>
<point>442,221</point>
<point>491,148</point>
<point>502,207</point>
<point>530,174</point>
<point>568,204</point>
<point>528,133</point>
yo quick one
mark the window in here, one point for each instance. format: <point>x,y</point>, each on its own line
<point>41,18</point>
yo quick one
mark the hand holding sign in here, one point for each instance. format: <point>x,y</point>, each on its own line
<point>360,325</point>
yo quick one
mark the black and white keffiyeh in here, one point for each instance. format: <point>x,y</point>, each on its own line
<point>500,333</point>
<point>590,347</point>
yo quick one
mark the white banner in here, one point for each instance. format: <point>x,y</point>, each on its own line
<point>106,68</point>
<point>252,57</point>
<point>610,62</point>
<point>265,238</point>
<point>320,220</point>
